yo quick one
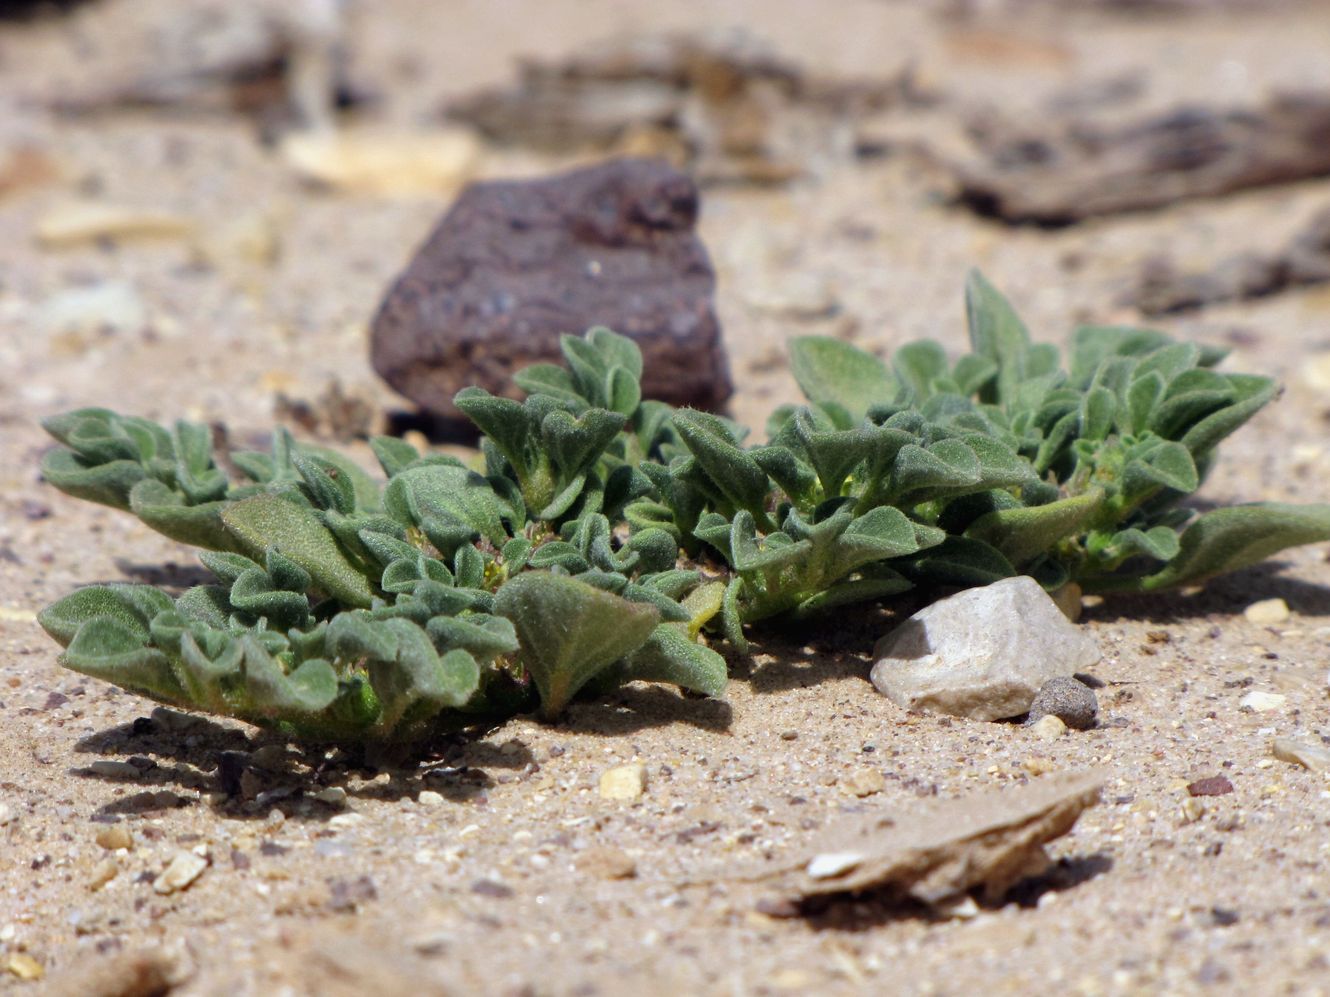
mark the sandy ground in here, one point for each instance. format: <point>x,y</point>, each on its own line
<point>490,868</point>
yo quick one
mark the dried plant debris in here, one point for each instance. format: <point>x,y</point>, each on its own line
<point>516,264</point>
<point>282,62</point>
<point>1069,171</point>
<point>336,413</point>
<point>1162,289</point>
<point>604,537</point>
<point>724,104</point>
<point>941,852</point>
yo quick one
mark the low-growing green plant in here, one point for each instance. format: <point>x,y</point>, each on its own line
<point>603,538</point>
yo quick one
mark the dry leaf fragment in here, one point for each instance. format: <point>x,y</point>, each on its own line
<point>384,163</point>
<point>81,222</point>
<point>988,841</point>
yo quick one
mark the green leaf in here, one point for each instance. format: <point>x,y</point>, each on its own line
<point>1166,464</point>
<point>419,683</point>
<point>569,631</point>
<point>447,495</point>
<point>103,483</point>
<point>132,607</point>
<point>1228,539</point>
<point>1098,409</point>
<point>856,591</point>
<point>960,561</point>
<point>308,688</point>
<point>997,332</point>
<point>106,648</point>
<point>166,512</point>
<point>918,365</point>
<point>669,655</point>
<point>393,454</point>
<point>269,520</point>
<point>830,371</point>
<point>548,379</point>
<point>738,477</point>
<point>1251,393</point>
<point>1022,533</point>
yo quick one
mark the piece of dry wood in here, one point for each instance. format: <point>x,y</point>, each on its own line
<point>1071,171</point>
<point>941,851</point>
<point>1162,288</point>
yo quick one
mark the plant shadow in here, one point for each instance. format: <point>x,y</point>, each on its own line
<point>822,649</point>
<point>1224,596</point>
<point>639,706</point>
<point>169,575</point>
<point>245,775</point>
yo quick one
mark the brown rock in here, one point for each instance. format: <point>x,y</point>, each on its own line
<point>939,853</point>
<point>515,264</point>
<point>1215,785</point>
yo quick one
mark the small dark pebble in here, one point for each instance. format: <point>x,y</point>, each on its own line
<point>348,894</point>
<point>239,860</point>
<point>491,888</point>
<point>54,701</point>
<point>272,849</point>
<point>1216,785</point>
<point>142,727</point>
<point>1069,700</point>
<point>1224,917</point>
<point>34,510</point>
<point>706,827</point>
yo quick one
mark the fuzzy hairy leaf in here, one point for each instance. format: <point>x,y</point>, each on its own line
<point>1242,535</point>
<point>832,371</point>
<point>569,631</point>
<point>271,521</point>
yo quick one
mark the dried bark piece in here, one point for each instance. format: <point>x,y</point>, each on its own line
<point>988,841</point>
<point>722,102</point>
<point>272,60</point>
<point>515,264</point>
<point>1077,170</point>
<point>1162,288</point>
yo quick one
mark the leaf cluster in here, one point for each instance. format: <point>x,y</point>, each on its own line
<point>600,537</point>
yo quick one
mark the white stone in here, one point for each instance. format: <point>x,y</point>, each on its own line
<point>983,653</point>
<point>1263,702</point>
<point>111,304</point>
<point>185,867</point>
<point>832,864</point>
<point>624,782</point>
<point>1309,755</point>
<point>1267,611</point>
<point>1048,728</point>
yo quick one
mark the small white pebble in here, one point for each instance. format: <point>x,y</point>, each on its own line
<point>183,869</point>
<point>429,798</point>
<point>1267,611</point>
<point>1263,702</point>
<point>1048,728</point>
<point>624,782</point>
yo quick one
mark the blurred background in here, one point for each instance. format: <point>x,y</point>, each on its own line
<point>203,202</point>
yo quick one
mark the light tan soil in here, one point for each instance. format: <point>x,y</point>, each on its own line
<point>1146,900</point>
